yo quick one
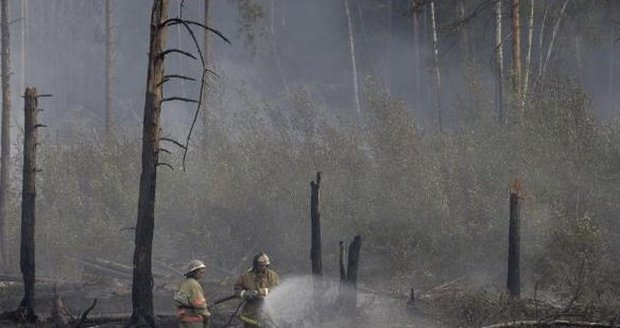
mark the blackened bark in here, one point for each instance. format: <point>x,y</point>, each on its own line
<point>5,129</point>
<point>353,261</point>
<point>142,287</point>
<point>343,270</point>
<point>513,282</point>
<point>315,217</point>
<point>28,206</point>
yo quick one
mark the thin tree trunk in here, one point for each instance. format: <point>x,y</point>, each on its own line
<point>5,130</point>
<point>513,282</point>
<point>353,59</point>
<point>416,52</point>
<point>352,270</point>
<point>437,89</point>
<point>109,116</point>
<point>554,35</point>
<point>341,261</point>
<point>142,287</point>
<point>612,59</point>
<point>516,58</point>
<point>315,217</point>
<point>541,37</point>
<point>207,59</point>
<point>27,262</point>
<point>24,43</point>
<point>499,63</point>
<point>275,50</point>
<point>463,33</point>
<point>528,57</point>
<point>388,49</point>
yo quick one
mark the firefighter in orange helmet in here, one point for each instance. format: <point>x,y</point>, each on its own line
<point>253,286</point>
<point>190,300</point>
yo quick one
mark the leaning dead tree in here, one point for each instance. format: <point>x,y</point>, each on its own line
<point>26,312</point>
<point>513,281</point>
<point>142,287</point>
<point>5,129</point>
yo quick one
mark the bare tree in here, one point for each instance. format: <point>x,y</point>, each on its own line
<point>205,53</point>
<point>315,218</point>
<point>5,129</point>
<point>109,64</point>
<point>528,57</point>
<point>353,59</point>
<point>142,287</point>
<point>437,88</point>
<point>26,308</point>
<point>554,35</point>
<point>24,43</point>
<point>499,63</point>
<point>516,58</point>
<point>513,280</point>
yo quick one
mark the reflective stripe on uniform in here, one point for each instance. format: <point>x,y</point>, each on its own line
<point>249,321</point>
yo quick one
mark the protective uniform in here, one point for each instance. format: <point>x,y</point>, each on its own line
<point>190,300</point>
<point>254,286</point>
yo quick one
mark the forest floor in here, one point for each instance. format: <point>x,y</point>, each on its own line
<point>450,305</point>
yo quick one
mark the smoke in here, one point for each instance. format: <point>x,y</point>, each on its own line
<point>296,303</point>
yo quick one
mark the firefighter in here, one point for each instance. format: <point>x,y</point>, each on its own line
<point>190,299</point>
<point>253,286</point>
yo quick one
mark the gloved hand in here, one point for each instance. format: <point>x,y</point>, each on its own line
<point>249,294</point>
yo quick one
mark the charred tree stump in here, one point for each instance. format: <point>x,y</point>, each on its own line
<point>513,282</point>
<point>343,268</point>
<point>142,287</point>
<point>353,262</point>
<point>5,129</point>
<point>348,279</point>
<point>315,217</point>
<point>26,308</point>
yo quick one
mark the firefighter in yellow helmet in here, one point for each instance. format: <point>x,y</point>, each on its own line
<point>190,300</point>
<point>253,286</point>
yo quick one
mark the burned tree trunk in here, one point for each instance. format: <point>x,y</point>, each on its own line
<point>347,296</point>
<point>109,116</point>
<point>343,270</point>
<point>142,287</point>
<point>353,262</point>
<point>315,217</point>
<point>26,308</point>
<point>513,282</point>
<point>5,129</point>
